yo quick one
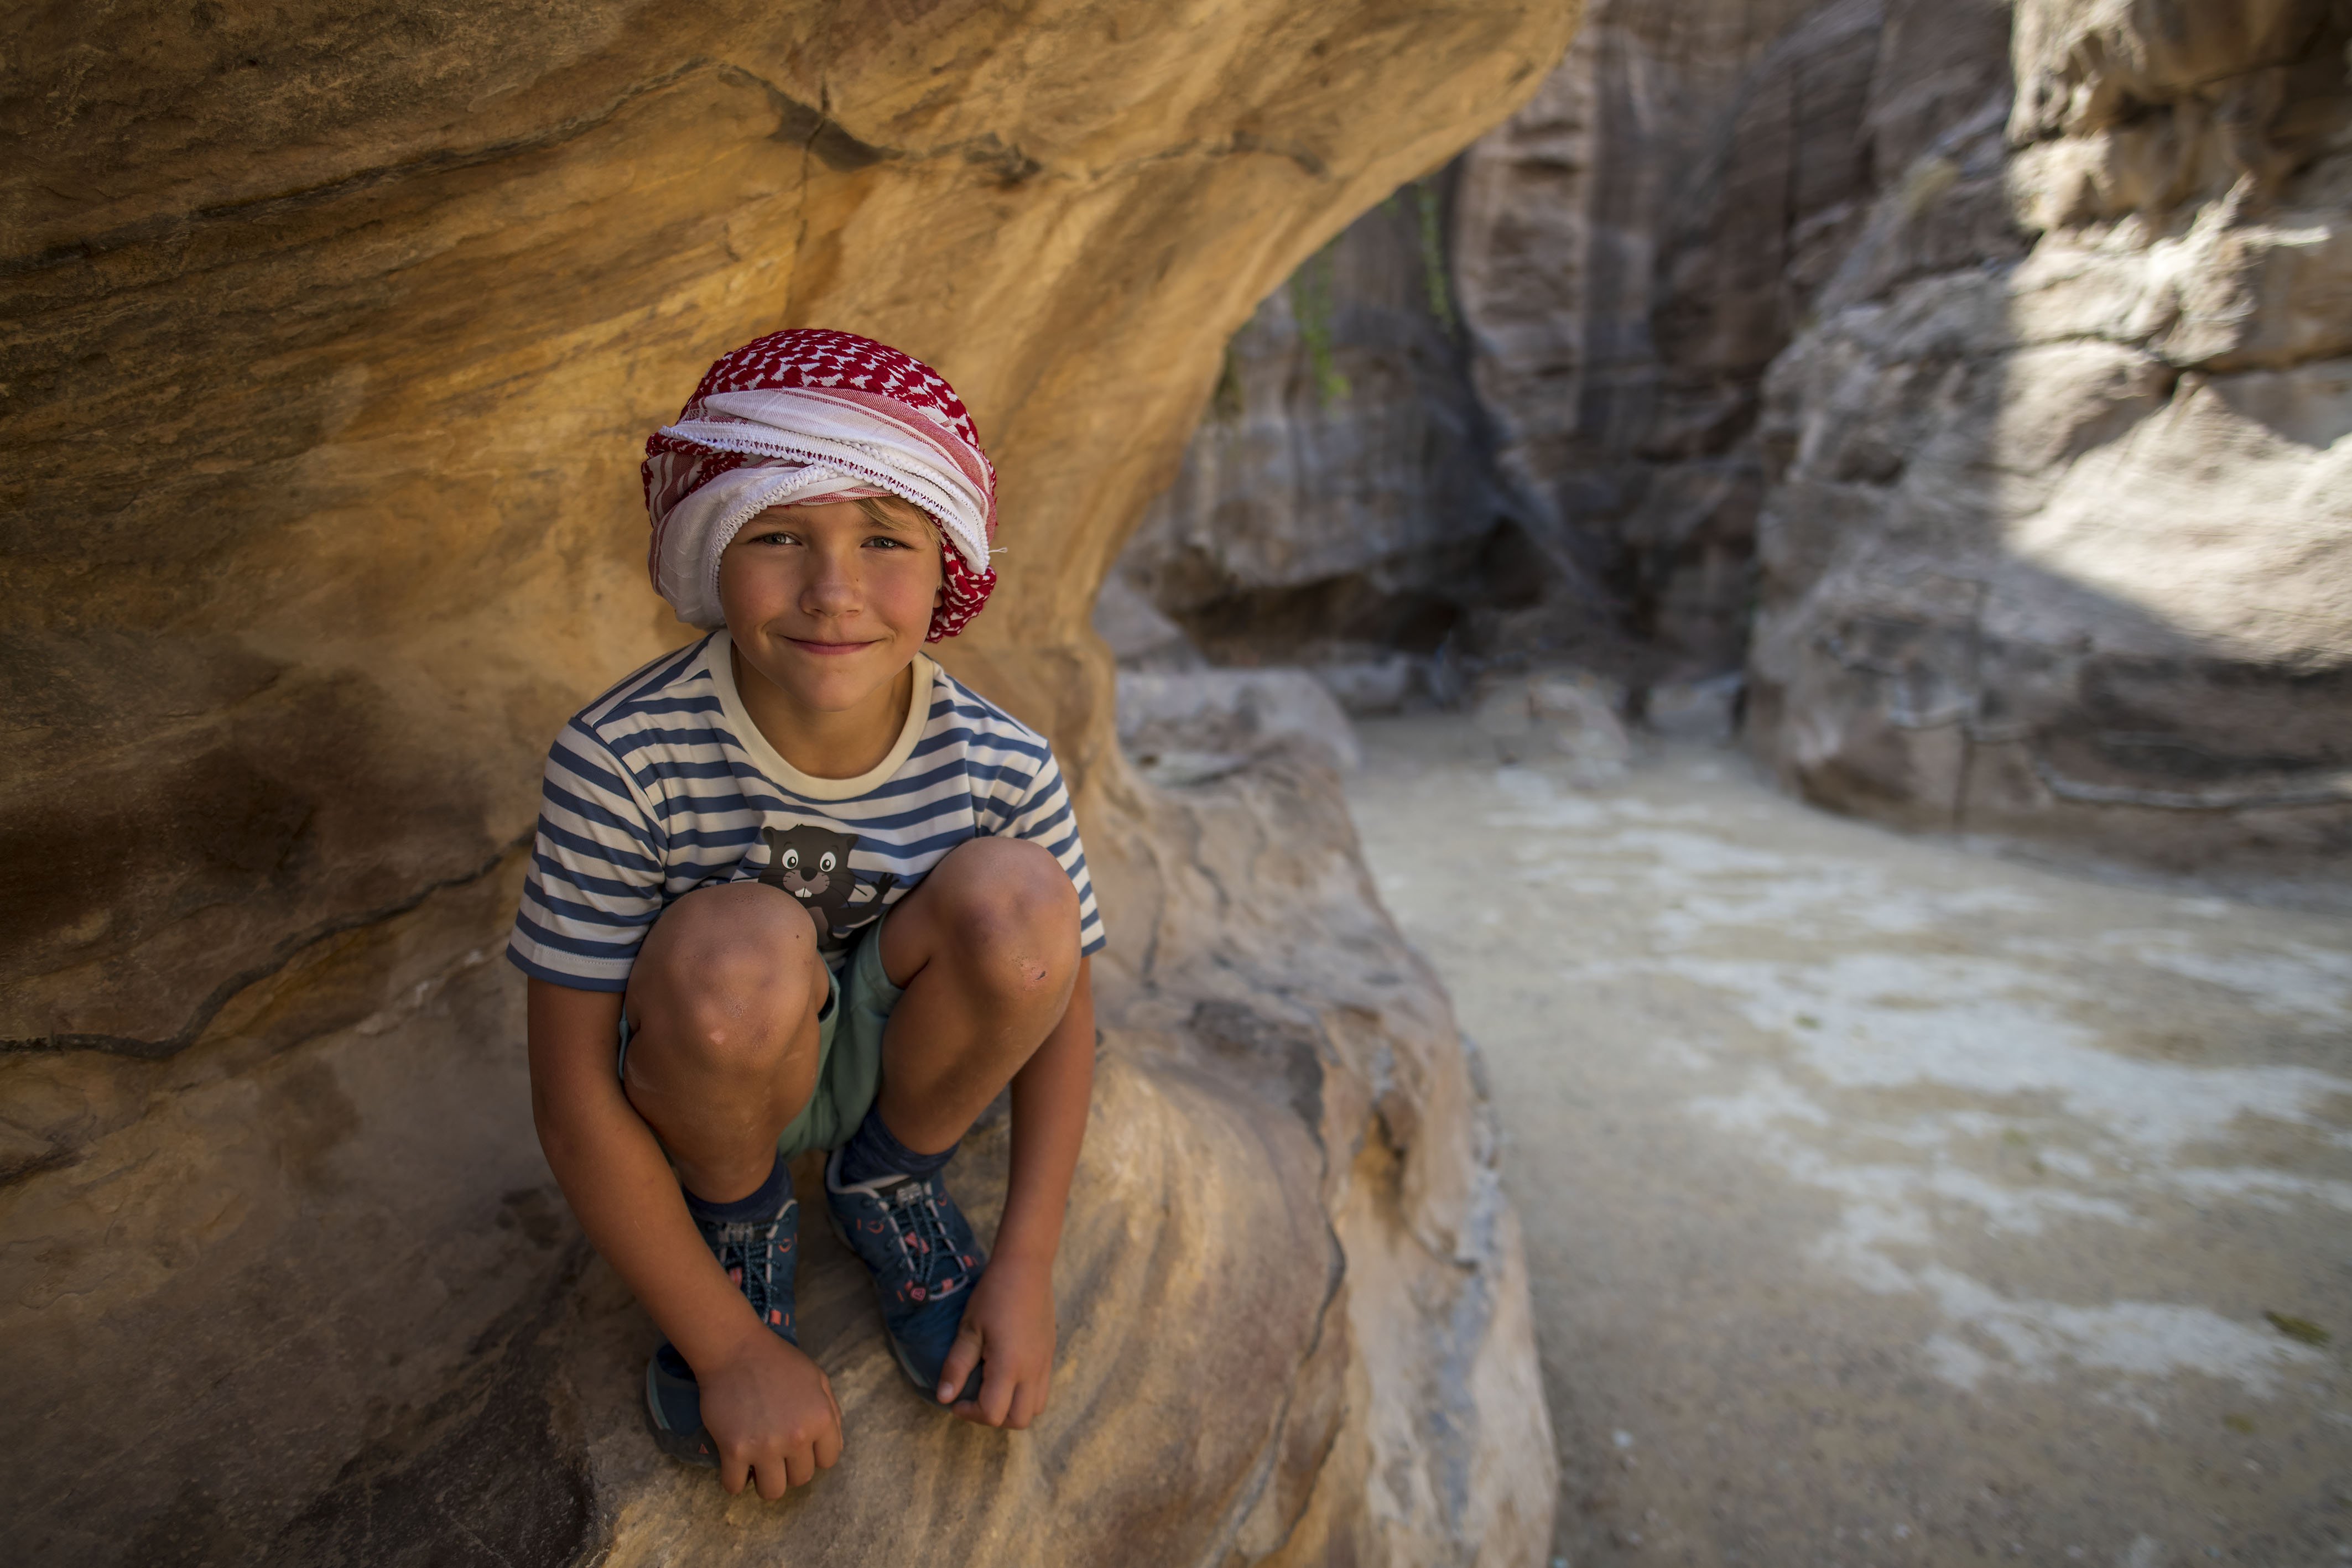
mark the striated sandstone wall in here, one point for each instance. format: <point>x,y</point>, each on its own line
<point>1624,245</point>
<point>333,336</point>
<point>1640,241</point>
<point>2060,533</point>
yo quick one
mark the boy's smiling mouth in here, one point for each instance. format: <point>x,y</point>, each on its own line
<point>812,645</point>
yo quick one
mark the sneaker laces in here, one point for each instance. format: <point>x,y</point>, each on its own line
<point>918,1217</point>
<point>747,1251</point>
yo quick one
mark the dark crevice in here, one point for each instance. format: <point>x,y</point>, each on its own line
<point>285,953</point>
<point>811,129</point>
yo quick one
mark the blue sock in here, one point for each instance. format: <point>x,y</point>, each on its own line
<point>875,1151</point>
<point>760,1204</point>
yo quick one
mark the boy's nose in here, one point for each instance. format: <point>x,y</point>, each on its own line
<point>832,589</point>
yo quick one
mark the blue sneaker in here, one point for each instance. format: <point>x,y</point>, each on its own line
<point>909,1233</point>
<point>760,1256</point>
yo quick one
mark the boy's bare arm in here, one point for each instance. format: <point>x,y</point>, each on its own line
<point>1010,1322</point>
<point>768,1409</point>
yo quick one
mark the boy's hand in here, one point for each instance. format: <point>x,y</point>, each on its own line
<point>1009,1322</point>
<point>772,1415</point>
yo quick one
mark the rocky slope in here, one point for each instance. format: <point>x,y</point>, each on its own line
<point>334,336</point>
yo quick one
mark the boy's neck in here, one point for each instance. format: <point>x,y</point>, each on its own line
<point>825,745</point>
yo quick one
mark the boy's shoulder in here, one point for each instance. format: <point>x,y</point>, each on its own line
<point>676,682</point>
<point>959,711</point>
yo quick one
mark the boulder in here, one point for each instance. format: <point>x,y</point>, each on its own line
<point>1140,636</point>
<point>1706,710</point>
<point>1387,683</point>
<point>1193,723</point>
<point>335,335</point>
<point>1556,712</point>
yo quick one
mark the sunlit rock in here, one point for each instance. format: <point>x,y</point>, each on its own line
<point>2059,538</point>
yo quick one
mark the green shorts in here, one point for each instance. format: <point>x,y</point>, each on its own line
<point>848,1049</point>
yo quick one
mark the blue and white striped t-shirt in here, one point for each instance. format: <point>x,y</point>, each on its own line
<point>664,785</point>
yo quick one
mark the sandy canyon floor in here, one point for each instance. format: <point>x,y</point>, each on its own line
<point>1890,1200</point>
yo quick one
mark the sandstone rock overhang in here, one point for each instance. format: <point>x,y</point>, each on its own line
<point>333,336</point>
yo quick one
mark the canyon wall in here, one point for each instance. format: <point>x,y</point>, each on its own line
<point>1569,435</point>
<point>334,337</point>
<point>1978,374</point>
<point>1974,375</point>
<point>2058,534</point>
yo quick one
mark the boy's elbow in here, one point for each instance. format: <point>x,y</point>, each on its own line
<point>543,1114</point>
<point>561,1121</point>
<point>547,1118</point>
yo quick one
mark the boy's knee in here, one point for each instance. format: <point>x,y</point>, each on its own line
<point>1011,907</point>
<point>726,979</point>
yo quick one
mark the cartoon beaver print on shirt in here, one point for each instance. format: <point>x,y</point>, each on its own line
<point>812,864</point>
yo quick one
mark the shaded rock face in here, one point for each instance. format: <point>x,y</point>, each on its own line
<point>2057,539</point>
<point>1336,503</point>
<point>334,339</point>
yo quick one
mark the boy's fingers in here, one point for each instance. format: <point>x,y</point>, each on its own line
<point>1026,1402</point>
<point>828,1447</point>
<point>800,1468</point>
<point>1038,1391</point>
<point>833,1435</point>
<point>734,1469</point>
<point>963,1357</point>
<point>996,1399</point>
<point>770,1476</point>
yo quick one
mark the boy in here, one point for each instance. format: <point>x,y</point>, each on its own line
<point>796,888</point>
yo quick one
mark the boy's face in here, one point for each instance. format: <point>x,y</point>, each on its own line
<point>828,603</point>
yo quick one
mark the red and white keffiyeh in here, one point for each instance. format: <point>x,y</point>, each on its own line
<point>808,416</point>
